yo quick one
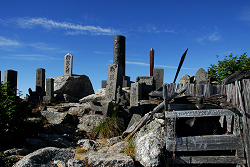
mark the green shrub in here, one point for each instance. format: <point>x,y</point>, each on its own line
<point>13,111</point>
<point>130,149</point>
<point>106,129</point>
<point>7,161</point>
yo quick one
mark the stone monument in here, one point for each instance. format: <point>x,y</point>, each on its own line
<point>114,80</point>
<point>201,77</point>
<point>49,89</point>
<point>135,94</point>
<point>68,64</point>
<point>119,52</point>
<point>10,76</point>
<point>40,80</point>
<point>158,74</point>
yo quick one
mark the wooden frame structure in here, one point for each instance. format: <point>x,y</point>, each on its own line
<point>236,140</point>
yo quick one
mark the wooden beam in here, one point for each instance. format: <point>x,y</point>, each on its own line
<point>204,143</point>
<point>198,113</point>
<point>207,160</point>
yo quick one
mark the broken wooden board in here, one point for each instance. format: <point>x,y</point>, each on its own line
<point>198,113</point>
<point>204,143</point>
<point>207,160</point>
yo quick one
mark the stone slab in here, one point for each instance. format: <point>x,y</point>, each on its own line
<point>68,64</point>
<point>40,80</point>
<point>135,94</point>
<point>158,74</point>
<point>114,80</point>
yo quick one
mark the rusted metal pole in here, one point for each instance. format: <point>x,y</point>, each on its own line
<point>151,61</point>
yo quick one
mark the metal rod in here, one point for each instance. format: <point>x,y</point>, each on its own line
<point>180,64</point>
<point>151,61</point>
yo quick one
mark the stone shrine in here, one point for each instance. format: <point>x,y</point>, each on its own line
<point>68,64</point>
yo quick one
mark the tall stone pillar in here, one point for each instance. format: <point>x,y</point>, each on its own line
<point>119,52</point>
<point>10,76</point>
<point>40,80</point>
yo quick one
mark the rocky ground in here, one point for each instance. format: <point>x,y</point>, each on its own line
<point>65,135</point>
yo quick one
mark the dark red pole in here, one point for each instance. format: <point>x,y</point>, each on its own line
<point>151,61</point>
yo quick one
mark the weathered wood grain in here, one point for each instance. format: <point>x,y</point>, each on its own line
<point>204,143</point>
<point>198,113</point>
<point>207,160</point>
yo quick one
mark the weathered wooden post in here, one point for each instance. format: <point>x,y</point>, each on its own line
<point>152,52</point>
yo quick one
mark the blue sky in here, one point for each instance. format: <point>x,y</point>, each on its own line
<point>37,34</point>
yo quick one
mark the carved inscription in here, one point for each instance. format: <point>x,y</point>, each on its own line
<point>68,59</point>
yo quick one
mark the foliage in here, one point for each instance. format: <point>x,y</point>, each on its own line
<point>106,129</point>
<point>130,149</point>
<point>7,161</point>
<point>228,66</point>
<point>13,110</point>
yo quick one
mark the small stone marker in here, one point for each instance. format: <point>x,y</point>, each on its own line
<point>104,84</point>
<point>68,64</point>
<point>11,77</point>
<point>158,77</point>
<point>119,52</point>
<point>49,89</point>
<point>40,80</point>
<point>135,94</point>
<point>126,81</point>
<point>201,77</point>
<point>114,80</point>
<point>185,79</point>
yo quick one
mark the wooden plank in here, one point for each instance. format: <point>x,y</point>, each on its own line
<point>199,90</point>
<point>244,122</point>
<point>208,90</point>
<point>198,113</point>
<point>239,75</point>
<point>190,90</point>
<point>204,143</point>
<point>207,160</point>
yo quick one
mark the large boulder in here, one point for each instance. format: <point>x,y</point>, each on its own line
<point>57,117</point>
<point>110,160</point>
<point>45,157</point>
<point>77,86</point>
<point>89,122</point>
<point>149,143</point>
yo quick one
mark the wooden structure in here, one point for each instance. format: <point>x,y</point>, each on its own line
<point>231,147</point>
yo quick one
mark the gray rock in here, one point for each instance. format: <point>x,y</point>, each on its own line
<point>44,157</point>
<point>89,122</point>
<point>89,144</point>
<point>16,151</point>
<point>93,97</point>
<point>118,147</point>
<point>55,117</point>
<point>55,140</point>
<point>110,160</point>
<point>75,163</point>
<point>149,142</point>
<point>79,110</point>
<point>114,140</point>
<point>77,86</point>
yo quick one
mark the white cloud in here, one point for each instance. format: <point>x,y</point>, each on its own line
<point>156,65</point>
<point>8,42</point>
<point>245,14</point>
<point>105,53</point>
<point>212,37</point>
<point>33,57</point>
<point>73,29</point>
